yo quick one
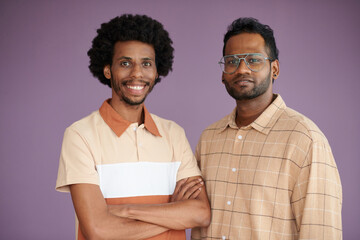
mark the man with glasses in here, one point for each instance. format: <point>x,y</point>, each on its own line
<point>269,170</point>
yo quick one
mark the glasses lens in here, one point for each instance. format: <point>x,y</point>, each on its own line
<point>229,64</point>
<point>255,62</point>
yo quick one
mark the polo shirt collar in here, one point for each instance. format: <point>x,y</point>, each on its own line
<point>119,125</point>
<point>264,122</point>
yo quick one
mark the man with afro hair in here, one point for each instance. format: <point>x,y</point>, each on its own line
<point>131,174</point>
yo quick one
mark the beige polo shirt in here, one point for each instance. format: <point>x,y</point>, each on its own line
<point>273,179</point>
<point>131,163</point>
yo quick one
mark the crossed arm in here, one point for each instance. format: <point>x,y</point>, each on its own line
<point>189,207</point>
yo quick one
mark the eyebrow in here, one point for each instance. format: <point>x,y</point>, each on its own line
<point>129,58</point>
<point>241,54</point>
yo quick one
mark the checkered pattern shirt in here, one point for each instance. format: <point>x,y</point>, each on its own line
<point>273,179</point>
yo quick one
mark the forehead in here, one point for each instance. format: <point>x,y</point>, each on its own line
<point>133,49</point>
<point>245,43</point>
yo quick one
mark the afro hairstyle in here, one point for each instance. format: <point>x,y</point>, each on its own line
<point>129,27</point>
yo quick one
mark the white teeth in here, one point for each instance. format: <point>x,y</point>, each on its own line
<point>135,87</point>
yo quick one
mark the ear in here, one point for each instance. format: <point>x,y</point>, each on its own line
<point>107,72</point>
<point>275,69</point>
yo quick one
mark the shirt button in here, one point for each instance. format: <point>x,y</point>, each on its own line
<point>134,128</point>
<point>234,169</point>
<point>239,137</point>
<point>228,202</point>
<point>223,237</point>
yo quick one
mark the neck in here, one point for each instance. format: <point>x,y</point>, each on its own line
<point>248,110</point>
<point>131,113</point>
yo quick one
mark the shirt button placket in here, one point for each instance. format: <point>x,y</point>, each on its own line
<point>233,172</point>
<point>136,132</point>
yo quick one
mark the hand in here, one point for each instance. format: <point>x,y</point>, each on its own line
<point>187,189</point>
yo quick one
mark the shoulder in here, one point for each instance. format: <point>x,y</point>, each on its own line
<point>86,124</point>
<point>217,126</point>
<point>166,126</point>
<point>220,123</point>
<point>296,121</point>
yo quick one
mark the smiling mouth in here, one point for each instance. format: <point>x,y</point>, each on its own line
<point>135,87</point>
<point>138,85</point>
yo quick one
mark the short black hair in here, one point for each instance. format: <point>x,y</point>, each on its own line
<point>130,27</point>
<point>252,25</point>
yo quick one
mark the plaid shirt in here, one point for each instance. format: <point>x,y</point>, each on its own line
<point>273,179</point>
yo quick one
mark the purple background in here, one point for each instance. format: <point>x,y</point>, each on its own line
<point>45,85</point>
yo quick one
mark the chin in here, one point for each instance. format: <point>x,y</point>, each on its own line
<point>134,103</point>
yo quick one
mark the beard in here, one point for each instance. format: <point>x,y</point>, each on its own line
<point>258,90</point>
<point>134,103</point>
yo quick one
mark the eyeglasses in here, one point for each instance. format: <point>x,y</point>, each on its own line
<point>254,61</point>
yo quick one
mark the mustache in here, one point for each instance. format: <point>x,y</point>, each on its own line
<point>240,78</point>
<point>243,77</point>
<point>131,81</point>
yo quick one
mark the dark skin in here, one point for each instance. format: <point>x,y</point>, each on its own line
<point>253,90</point>
<point>132,74</point>
<point>101,221</point>
<point>177,214</point>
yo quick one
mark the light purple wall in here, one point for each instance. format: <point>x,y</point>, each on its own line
<point>45,86</point>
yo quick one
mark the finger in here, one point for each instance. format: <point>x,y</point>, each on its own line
<point>177,189</point>
<point>190,184</point>
<point>190,188</point>
<point>195,194</point>
<point>179,194</point>
<point>179,185</point>
<point>186,189</point>
<point>193,190</point>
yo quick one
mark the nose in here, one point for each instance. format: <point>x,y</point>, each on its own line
<point>136,71</point>
<point>242,68</point>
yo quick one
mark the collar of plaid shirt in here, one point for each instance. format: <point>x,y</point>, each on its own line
<point>264,122</point>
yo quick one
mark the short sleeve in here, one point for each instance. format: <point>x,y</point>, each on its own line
<point>198,154</point>
<point>188,166</point>
<point>76,163</point>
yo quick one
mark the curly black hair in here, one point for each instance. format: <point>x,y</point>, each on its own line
<point>129,27</point>
<point>252,25</point>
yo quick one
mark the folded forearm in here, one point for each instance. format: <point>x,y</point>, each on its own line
<point>142,230</point>
<point>97,222</point>
<point>177,215</point>
<point>114,227</point>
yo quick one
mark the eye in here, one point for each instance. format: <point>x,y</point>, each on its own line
<point>254,59</point>
<point>125,64</point>
<point>147,64</point>
<point>231,61</point>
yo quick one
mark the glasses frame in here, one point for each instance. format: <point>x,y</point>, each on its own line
<point>222,63</point>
